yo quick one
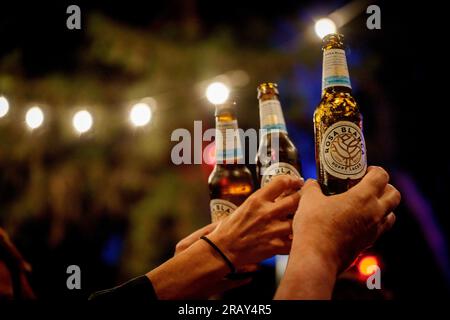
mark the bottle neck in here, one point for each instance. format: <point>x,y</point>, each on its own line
<point>335,75</point>
<point>336,89</point>
<point>228,142</point>
<point>271,115</point>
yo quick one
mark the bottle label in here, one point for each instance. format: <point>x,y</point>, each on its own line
<point>221,209</point>
<point>343,151</point>
<point>278,169</point>
<point>335,71</point>
<point>271,116</point>
<point>228,142</point>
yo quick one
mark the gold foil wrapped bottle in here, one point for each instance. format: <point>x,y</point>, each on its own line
<point>338,127</point>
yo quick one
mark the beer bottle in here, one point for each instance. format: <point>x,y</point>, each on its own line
<point>277,155</point>
<point>338,132</point>
<point>230,182</point>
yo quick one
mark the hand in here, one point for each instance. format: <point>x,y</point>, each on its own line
<point>339,227</point>
<point>259,228</point>
<point>185,243</point>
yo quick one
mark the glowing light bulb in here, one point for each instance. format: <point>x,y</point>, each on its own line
<point>324,26</point>
<point>82,121</point>
<point>4,106</point>
<point>217,93</point>
<point>140,114</point>
<point>34,117</point>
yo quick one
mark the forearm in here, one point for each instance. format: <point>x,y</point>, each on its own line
<point>200,266</point>
<point>309,275</point>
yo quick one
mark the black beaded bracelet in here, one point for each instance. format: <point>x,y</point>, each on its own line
<point>224,257</point>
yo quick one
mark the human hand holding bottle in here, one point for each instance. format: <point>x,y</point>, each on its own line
<point>330,231</point>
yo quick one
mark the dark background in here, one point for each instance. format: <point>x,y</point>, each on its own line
<point>112,202</point>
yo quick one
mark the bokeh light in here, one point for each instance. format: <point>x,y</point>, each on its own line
<point>324,26</point>
<point>82,121</point>
<point>4,106</point>
<point>140,114</point>
<point>209,154</point>
<point>365,265</point>
<point>34,117</point>
<point>217,93</point>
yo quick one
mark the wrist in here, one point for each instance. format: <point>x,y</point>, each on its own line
<point>310,275</point>
<point>306,243</point>
<point>217,253</point>
<point>319,254</point>
<point>199,264</point>
<point>225,246</point>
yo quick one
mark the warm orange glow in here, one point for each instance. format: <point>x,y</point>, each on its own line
<point>364,265</point>
<point>238,189</point>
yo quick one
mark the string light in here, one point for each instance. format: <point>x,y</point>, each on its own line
<point>324,26</point>
<point>82,121</point>
<point>217,93</point>
<point>140,114</point>
<point>34,117</point>
<point>4,106</point>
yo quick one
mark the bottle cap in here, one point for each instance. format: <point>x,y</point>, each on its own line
<point>335,40</point>
<point>267,87</point>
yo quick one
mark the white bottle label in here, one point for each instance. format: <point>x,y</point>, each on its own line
<point>335,71</point>
<point>278,169</point>
<point>228,142</point>
<point>221,209</point>
<point>271,116</point>
<point>343,151</point>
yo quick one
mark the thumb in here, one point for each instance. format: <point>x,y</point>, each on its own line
<point>311,186</point>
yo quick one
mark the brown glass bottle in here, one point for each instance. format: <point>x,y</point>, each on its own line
<point>230,182</point>
<point>277,155</point>
<point>339,142</point>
